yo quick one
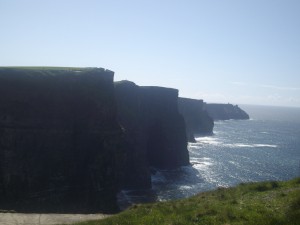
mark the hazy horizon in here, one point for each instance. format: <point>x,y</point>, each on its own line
<point>220,51</point>
<point>278,113</point>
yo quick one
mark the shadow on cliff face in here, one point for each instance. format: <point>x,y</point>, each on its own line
<point>167,143</point>
<point>58,137</point>
<point>156,144</point>
<point>154,132</point>
<point>68,145</point>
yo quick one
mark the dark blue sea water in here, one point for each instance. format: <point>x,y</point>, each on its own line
<point>266,147</point>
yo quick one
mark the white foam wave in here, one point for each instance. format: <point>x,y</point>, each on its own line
<point>239,145</point>
<point>185,187</point>
<point>265,145</point>
<point>216,142</point>
<point>242,145</point>
<point>194,145</point>
<point>201,165</point>
<point>206,158</point>
<point>208,140</point>
<point>202,160</point>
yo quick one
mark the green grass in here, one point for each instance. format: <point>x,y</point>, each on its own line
<point>266,203</point>
<point>46,68</point>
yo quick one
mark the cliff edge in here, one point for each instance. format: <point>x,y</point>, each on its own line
<point>226,112</point>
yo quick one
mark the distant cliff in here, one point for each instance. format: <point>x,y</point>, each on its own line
<point>226,112</point>
<point>154,130</point>
<point>196,118</point>
<point>58,139</point>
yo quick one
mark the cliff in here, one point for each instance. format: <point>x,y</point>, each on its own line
<point>226,112</point>
<point>197,120</point>
<point>133,167</point>
<point>166,142</point>
<point>58,139</point>
<point>70,138</point>
<point>153,128</point>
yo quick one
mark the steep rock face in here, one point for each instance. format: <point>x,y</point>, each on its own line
<point>62,148</point>
<point>134,172</point>
<point>226,112</point>
<point>167,143</point>
<point>196,118</point>
<point>153,127</point>
<point>58,137</point>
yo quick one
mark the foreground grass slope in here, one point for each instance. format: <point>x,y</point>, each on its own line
<point>254,203</point>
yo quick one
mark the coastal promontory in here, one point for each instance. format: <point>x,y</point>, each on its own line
<point>225,112</point>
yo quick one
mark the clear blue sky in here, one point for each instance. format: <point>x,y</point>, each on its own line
<point>233,51</point>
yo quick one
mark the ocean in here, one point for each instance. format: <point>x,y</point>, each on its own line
<point>266,147</point>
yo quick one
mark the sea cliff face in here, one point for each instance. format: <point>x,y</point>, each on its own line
<point>197,120</point>
<point>154,130</point>
<point>133,166</point>
<point>226,112</point>
<point>70,138</point>
<point>166,142</point>
<point>58,136</point>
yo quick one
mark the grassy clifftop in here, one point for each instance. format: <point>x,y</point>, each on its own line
<point>49,68</point>
<point>254,203</point>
